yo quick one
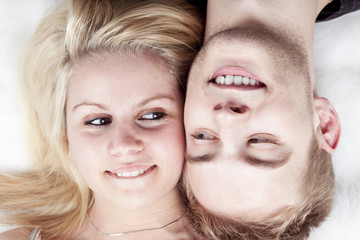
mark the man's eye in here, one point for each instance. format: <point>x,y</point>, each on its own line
<point>99,121</point>
<point>152,116</point>
<point>261,140</point>
<point>203,136</point>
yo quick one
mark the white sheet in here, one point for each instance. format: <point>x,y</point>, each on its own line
<point>337,67</point>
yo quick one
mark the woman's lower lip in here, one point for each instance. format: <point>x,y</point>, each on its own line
<point>132,174</point>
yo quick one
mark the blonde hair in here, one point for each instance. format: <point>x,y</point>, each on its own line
<point>53,196</point>
<point>292,223</point>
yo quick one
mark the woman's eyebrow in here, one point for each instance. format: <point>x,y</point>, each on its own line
<point>91,104</point>
<point>157,97</point>
<point>142,103</point>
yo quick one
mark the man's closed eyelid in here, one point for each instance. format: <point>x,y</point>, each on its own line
<point>264,163</point>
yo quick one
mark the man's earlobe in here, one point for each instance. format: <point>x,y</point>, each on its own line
<point>328,127</point>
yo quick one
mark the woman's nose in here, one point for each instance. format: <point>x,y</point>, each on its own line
<point>125,142</point>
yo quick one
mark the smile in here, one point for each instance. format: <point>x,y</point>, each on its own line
<point>133,173</point>
<point>237,81</point>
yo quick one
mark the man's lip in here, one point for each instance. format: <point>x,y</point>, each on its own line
<point>236,71</point>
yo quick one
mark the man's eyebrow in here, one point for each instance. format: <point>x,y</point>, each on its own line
<point>206,158</point>
<point>282,158</point>
<point>250,160</point>
<point>253,161</point>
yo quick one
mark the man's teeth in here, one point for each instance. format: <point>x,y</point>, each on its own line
<point>132,173</point>
<point>237,80</point>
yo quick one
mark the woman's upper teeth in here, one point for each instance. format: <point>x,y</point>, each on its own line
<point>132,173</point>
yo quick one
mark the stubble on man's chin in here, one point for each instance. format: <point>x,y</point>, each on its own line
<point>285,46</point>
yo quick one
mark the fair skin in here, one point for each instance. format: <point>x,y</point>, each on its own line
<point>248,136</point>
<point>125,135</point>
<point>121,111</point>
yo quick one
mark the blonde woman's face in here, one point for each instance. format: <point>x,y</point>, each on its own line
<point>125,128</point>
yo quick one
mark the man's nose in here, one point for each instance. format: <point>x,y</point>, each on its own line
<point>229,111</point>
<point>126,142</point>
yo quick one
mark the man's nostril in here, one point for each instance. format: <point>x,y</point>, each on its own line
<point>218,107</point>
<point>238,109</point>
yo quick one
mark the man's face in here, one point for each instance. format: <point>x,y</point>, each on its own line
<point>249,124</point>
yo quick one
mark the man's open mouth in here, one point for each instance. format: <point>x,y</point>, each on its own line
<point>237,81</point>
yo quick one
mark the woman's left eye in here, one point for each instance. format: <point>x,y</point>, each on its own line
<point>102,121</point>
<point>152,116</point>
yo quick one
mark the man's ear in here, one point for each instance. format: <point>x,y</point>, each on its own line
<point>327,124</point>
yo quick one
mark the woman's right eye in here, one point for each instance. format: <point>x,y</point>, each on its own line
<point>99,121</point>
<point>204,136</point>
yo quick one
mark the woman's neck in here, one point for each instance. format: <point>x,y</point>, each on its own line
<point>111,219</point>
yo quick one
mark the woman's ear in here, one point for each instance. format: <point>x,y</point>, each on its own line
<point>327,124</point>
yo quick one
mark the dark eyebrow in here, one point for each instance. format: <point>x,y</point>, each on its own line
<point>253,161</point>
<point>250,160</point>
<point>200,158</point>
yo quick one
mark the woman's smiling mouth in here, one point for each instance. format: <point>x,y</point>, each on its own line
<point>131,173</point>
